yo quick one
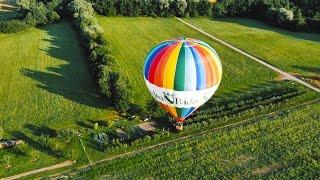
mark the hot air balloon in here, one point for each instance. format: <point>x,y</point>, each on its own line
<point>182,74</point>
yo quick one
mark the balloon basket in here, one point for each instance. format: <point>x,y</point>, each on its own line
<point>179,127</point>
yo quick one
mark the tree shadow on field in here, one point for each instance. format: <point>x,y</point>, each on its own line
<point>69,74</point>
<point>315,70</point>
<point>252,23</point>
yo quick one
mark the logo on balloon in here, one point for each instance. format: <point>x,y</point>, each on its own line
<point>181,99</point>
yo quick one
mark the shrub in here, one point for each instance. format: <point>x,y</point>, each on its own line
<point>284,15</point>
<point>1,133</point>
<point>13,26</point>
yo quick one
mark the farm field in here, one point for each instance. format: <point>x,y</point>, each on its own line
<point>50,101</point>
<point>44,85</point>
<point>131,38</point>
<point>279,147</point>
<point>295,52</point>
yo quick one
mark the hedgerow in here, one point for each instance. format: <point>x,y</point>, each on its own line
<point>111,84</point>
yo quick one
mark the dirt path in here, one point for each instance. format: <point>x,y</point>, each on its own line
<point>283,73</point>
<point>57,166</point>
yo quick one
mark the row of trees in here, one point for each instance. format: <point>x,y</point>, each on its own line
<point>111,84</point>
<point>302,15</point>
<point>154,8</point>
<point>35,13</point>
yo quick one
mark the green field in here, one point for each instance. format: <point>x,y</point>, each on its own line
<point>44,84</point>
<point>294,52</point>
<point>278,148</point>
<point>48,97</point>
<point>132,38</point>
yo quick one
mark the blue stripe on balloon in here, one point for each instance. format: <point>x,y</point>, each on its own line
<point>190,111</point>
<point>185,112</point>
<point>190,71</point>
<point>201,77</point>
<point>151,56</point>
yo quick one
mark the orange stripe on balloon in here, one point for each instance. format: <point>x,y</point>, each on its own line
<point>172,110</point>
<point>215,64</point>
<point>207,66</point>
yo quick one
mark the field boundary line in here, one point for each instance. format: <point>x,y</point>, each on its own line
<point>287,75</point>
<point>145,149</point>
<point>48,168</point>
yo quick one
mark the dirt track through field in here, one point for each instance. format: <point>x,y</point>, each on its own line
<point>57,166</point>
<point>283,73</point>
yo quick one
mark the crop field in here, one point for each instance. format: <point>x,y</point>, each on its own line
<point>44,85</point>
<point>294,52</point>
<point>280,147</point>
<point>48,99</point>
<point>131,38</point>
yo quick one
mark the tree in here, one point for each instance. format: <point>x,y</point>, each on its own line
<point>178,7</point>
<point>284,15</point>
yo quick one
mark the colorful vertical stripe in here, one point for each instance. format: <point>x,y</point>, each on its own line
<point>183,65</point>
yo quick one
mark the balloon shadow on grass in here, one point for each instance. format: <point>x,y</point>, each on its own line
<point>67,74</point>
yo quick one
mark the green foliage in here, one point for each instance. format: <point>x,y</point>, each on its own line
<point>153,8</point>
<point>36,13</point>
<point>284,15</point>
<point>277,12</point>
<point>101,60</point>
<point>1,133</point>
<point>95,126</point>
<point>282,147</point>
<point>13,26</point>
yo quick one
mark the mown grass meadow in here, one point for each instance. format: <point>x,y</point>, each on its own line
<point>45,85</point>
<point>294,52</point>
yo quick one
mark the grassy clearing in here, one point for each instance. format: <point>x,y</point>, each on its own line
<point>44,85</point>
<point>280,147</point>
<point>294,52</point>
<point>132,38</point>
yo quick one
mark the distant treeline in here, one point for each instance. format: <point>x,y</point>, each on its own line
<point>295,15</point>
<point>154,8</point>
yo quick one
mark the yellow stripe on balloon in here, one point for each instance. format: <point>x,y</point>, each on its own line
<point>172,110</point>
<point>170,69</point>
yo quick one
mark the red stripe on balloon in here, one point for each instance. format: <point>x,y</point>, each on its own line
<point>155,63</point>
<point>158,80</point>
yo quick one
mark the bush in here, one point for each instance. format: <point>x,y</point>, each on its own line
<point>1,133</point>
<point>284,15</point>
<point>13,26</point>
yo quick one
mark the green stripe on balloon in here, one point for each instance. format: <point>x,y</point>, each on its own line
<point>179,78</point>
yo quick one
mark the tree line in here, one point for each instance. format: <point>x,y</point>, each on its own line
<point>295,15</point>
<point>154,8</point>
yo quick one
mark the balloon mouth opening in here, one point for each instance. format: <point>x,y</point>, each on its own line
<point>180,120</point>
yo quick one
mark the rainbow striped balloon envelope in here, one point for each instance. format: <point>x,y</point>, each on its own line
<point>182,74</point>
